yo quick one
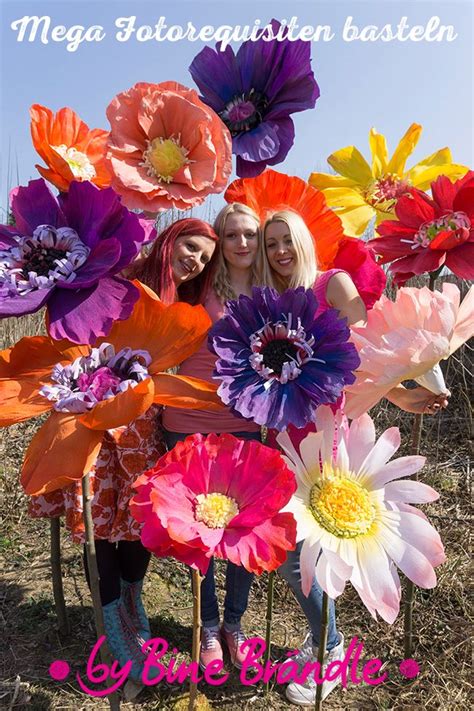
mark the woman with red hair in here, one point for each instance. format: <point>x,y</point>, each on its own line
<point>179,267</point>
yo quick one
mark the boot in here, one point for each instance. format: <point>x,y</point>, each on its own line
<point>122,638</point>
<point>131,596</point>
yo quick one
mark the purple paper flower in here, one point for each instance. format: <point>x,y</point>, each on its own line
<point>277,362</point>
<point>254,92</point>
<point>64,253</point>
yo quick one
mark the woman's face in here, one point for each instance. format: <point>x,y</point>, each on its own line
<point>190,256</point>
<point>280,250</point>
<point>240,241</point>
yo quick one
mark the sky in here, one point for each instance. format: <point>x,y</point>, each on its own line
<point>387,85</point>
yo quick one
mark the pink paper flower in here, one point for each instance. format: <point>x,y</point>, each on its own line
<point>217,496</point>
<point>356,520</point>
<point>406,339</point>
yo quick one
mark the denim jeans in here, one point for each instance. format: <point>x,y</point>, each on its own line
<point>237,580</point>
<point>311,605</point>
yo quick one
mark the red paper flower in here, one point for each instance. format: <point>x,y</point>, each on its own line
<point>431,232</point>
<point>358,260</point>
<point>217,496</point>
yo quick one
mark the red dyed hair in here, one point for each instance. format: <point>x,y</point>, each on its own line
<point>155,270</point>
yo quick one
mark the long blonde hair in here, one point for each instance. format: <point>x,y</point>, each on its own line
<point>306,268</point>
<point>221,281</point>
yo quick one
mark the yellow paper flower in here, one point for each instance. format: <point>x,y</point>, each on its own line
<point>361,191</point>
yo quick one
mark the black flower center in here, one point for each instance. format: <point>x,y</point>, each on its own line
<point>277,352</point>
<point>41,260</point>
<point>244,111</point>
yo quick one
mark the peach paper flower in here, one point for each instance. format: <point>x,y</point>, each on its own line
<point>407,338</point>
<point>166,147</point>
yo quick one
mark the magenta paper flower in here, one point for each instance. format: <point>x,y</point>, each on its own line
<point>66,253</point>
<point>217,496</point>
<point>430,232</point>
<point>406,338</point>
<point>355,518</point>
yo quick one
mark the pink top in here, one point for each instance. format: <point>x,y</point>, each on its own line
<point>201,365</point>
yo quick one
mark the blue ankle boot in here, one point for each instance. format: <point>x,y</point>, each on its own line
<point>122,637</point>
<point>131,596</point>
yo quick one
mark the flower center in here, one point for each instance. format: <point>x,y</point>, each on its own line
<point>384,192</point>
<point>244,111</point>
<point>342,506</point>
<point>79,386</point>
<point>164,157</point>
<point>444,233</point>
<point>279,351</point>
<point>215,510</point>
<point>80,165</point>
<point>38,262</point>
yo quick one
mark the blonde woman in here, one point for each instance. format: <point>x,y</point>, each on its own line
<point>239,236</point>
<point>287,260</point>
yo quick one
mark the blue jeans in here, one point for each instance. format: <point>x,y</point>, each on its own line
<point>311,605</point>
<point>237,580</point>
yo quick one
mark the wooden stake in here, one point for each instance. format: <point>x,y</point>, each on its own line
<point>323,640</point>
<point>196,586</point>
<point>56,575</point>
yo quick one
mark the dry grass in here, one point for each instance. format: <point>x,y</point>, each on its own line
<point>443,616</point>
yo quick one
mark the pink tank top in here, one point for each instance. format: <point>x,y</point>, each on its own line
<point>201,365</point>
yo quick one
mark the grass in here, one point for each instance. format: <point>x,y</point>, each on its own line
<point>443,616</point>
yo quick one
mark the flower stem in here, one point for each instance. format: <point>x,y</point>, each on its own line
<point>114,701</point>
<point>56,575</point>
<point>268,628</point>
<point>410,588</point>
<point>196,586</point>
<point>323,640</point>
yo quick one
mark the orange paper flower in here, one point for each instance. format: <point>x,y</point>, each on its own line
<point>166,147</point>
<point>94,389</point>
<point>69,148</point>
<point>272,191</point>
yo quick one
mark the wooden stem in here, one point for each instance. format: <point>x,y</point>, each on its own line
<point>323,640</point>
<point>56,575</point>
<point>196,585</point>
<point>114,701</point>
<point>268,628</point>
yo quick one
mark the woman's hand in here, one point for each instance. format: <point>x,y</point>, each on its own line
<point>418,400</point>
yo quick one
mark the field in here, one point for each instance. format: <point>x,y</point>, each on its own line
<point>442,616</point>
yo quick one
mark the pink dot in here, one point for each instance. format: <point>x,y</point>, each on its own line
<point>59,670</point>
<point>409,668</point>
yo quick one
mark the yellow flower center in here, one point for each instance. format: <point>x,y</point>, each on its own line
<point>79,163</point>
<point>215,510</point>
<point>342,506</point>
<point>384,192</point>
<point>164,157</point>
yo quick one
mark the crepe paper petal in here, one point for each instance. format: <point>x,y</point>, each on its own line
<point>62,451</point>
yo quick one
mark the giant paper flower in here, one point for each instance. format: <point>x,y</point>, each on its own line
<point>276,361</point>
<point>217,496</point>
<point>358,260</point>
<point>355,519</point>
<point>65,253</point>
<point>405,339</point>
<point>362,191</point>
<point>431,232</point>
<point>255,91</point>
<point>69,148</point>
<point>93,389</point>
<point>272,191</point>
<point>167,148</point>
